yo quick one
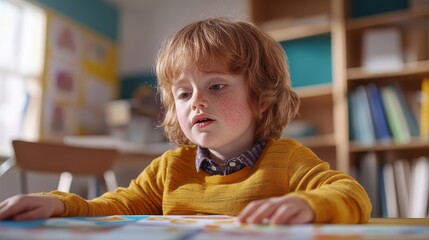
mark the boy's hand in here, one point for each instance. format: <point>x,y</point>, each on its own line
<point>277,210</point>
<point>30,207</point>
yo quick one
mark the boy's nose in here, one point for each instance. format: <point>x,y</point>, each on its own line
<point>199,102</point>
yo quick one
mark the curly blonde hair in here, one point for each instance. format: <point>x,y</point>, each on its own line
<point>243,49</point>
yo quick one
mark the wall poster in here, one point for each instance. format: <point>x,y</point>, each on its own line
<point>80,78</point>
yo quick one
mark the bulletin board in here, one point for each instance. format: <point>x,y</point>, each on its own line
<point>80,77</point>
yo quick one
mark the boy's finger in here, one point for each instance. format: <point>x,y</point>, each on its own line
<point>301,217</point>
<point>2,204</point>
<point>8,211</point>
<point>31,214</point>
<point>284,214</point>
<point>13,206</point>
<point>262,213</point>
<point>248,210</point>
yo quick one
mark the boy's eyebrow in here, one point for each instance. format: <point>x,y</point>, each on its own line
<point>176,85</point>
<point>178,79</point>
<point>211,74</point>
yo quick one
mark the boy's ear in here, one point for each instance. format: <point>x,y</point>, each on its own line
<point>263,106</point>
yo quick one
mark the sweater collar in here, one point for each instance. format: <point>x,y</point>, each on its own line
<point>248,157</point>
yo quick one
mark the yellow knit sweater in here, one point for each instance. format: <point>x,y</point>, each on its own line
<point>171,185</point>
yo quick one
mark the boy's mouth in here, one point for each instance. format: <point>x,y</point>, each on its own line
<point>201,121</point>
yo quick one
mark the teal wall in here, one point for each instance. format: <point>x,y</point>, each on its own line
<point>310,60</point>
<point>130,83</point>
<point>98,15</point>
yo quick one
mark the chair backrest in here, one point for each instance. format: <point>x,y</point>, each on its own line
<point>58,157</point>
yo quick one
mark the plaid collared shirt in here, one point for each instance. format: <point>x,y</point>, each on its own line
<point>247,158</point>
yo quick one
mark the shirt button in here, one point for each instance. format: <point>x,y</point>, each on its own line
<point>213,168</point>
<point>232,164</point>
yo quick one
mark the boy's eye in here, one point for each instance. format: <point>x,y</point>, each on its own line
<point>184,95</point>
<point>217,86</point>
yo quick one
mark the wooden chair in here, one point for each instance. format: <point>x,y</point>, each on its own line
<point>95,163</point>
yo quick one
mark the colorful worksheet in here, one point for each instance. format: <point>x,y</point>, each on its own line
<point>196,227</point>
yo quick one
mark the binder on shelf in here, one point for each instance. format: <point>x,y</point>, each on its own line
<point>410,117</point>
<point>382,49</point>
<point>424,109</point>
<point>419,193</point>
<point>365,128</point>
<point>395,116</point>
<point>354,132</point>
<point>390,190</point>
<point>402,174</point>
<point>368,177</point>
<point>382,196</point>
<point>378,113</point>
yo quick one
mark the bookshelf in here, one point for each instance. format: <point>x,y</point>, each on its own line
<point>326,106</point>
<point>412,27</point>
<point>409,70</point>
<point>307,18</point>
<point>307,25</point>
<point>409,76</point>
<point>412,145</point>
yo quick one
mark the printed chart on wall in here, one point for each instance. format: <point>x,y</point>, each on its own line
<point>195,227</point>
<point>80,78</point>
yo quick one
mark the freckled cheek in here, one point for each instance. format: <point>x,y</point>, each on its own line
<point>234,111</point>
<point>182,117</point>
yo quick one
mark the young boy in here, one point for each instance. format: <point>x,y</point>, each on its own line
<point>226,89</point>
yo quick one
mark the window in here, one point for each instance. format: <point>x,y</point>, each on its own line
<point>22,52</point>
